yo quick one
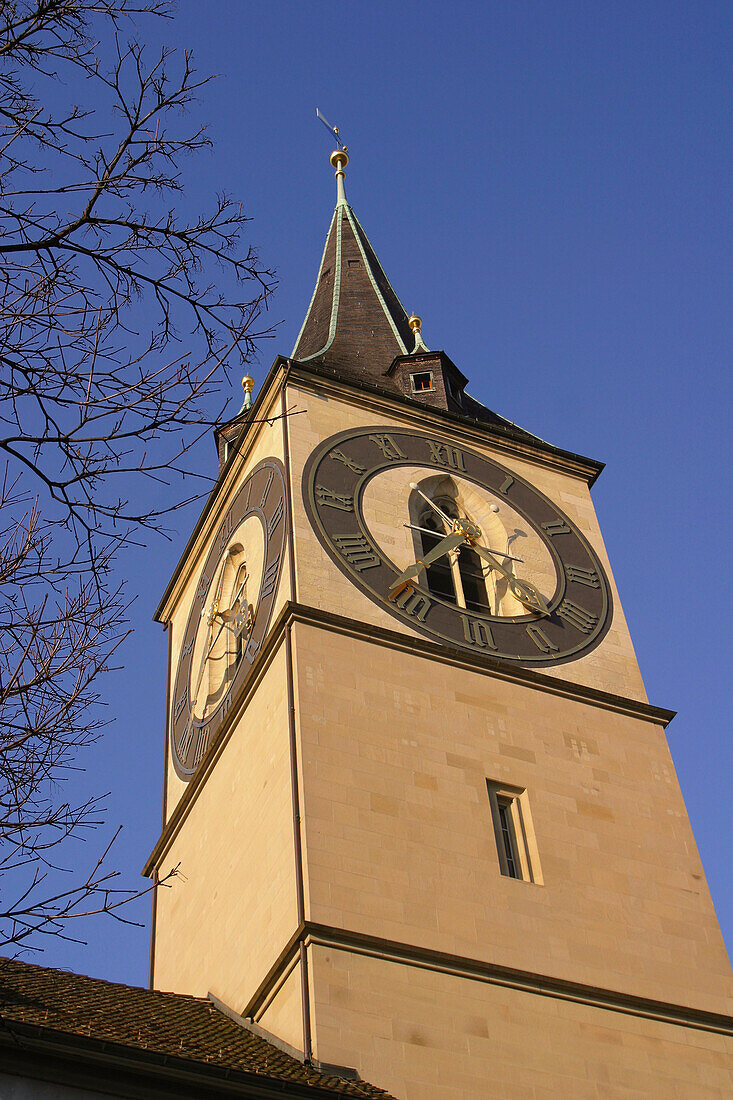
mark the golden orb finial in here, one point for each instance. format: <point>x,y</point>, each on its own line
<point>247,385</point>
<point>415,324</point>
<point>339,159</point>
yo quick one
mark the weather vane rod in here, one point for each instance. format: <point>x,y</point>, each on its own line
<point>339,159</point>
<point>332,130</point>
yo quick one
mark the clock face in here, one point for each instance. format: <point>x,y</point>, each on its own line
<point>230,613</point>
<point>506,573</point>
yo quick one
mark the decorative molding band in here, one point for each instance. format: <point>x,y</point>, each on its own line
<point>461,966</point>
<point>506,438</point>
<point>493,666</point>
<point>525,981</point>
<point>239,705</point>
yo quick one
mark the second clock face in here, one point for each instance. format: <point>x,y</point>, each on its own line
<point>506,572</point>
<point>230,613</point>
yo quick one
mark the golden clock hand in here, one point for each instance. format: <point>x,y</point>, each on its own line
<point>211,615</point>
<point>524,591</point>
<point>200,672</point>
<point>232,610</point>
<point>450,542</point>
<point>432,504</point>
<point>427,531</point>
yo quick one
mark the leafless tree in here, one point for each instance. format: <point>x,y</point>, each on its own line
<point>121,305</point>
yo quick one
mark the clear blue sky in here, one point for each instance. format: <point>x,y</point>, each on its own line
<point>549,186</point>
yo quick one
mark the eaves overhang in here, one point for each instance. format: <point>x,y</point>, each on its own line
<point>35,1052</point>
<point>589,468</point>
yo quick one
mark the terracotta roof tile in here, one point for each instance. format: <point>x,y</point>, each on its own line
<point>168,1024</point>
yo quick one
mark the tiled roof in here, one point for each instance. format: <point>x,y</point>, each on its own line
<point>134,1020</point>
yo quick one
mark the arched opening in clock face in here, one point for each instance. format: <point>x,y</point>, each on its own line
<point>408,511</point>
<point>227,617</point>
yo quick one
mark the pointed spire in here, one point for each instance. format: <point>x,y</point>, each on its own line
<point>357,328</point>
<point>355,322</point>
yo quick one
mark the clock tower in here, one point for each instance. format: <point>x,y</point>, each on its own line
<point>425,819</point>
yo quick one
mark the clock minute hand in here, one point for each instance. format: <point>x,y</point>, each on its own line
<point>524,591</point>
<point>432,504</point>
<point>450,542</point>
<point>427,531</point>
<point>206,654</point>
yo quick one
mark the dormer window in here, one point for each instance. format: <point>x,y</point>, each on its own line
<point>422,381</point>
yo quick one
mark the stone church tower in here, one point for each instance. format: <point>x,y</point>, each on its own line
<point>426,820</point>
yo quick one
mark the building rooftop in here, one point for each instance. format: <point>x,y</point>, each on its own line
<point>161,1035</point>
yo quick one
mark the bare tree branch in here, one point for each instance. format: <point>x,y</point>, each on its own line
<point>121,308</point>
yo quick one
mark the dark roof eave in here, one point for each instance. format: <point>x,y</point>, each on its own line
<point>74,1055</point>
<point>593,466</point>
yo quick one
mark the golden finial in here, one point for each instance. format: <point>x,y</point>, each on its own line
<point>247,385</point>
<point>339,159</point>
<point>415,324</point>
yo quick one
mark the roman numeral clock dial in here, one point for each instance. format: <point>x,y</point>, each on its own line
<point>230,614</point>
<point>452,544</point>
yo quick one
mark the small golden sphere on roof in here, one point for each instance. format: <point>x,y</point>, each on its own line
<point>339,155</point>
<point>247,386</point>
<point>414,322</point>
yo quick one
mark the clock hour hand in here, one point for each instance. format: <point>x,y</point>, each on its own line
<point>205,656</point>
<point>450,542</point>
<point>524,591</point>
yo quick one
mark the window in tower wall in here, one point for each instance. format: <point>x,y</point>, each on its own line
<point>508,843</point>
<point>457,577</point>
<point>514,834</point>
<point>440,579</point>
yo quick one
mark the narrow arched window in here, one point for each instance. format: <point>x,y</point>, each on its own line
<point>459,577</point>
<point>440,578</point>
<point>473,581</point>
